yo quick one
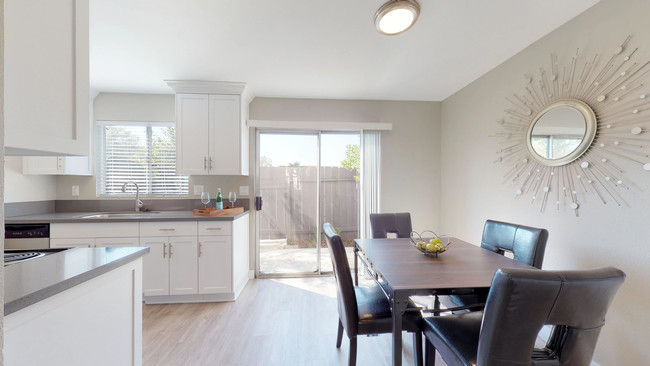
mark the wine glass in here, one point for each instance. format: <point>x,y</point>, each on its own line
<point>232,197</point>
<point>205,199</point>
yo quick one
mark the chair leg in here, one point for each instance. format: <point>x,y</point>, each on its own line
<point>417,348</point>
<point>429,354</point>
<point>353,352</point>
<point>339,336</point>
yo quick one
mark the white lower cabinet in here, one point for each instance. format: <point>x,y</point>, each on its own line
<point>188,261</point>
<point>155,274</point>
<point>182,266</point>
<point>170,266</point>
<point>215,264</point>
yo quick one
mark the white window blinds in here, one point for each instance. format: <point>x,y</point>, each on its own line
<point>143,152</point>
<point>370,178</point>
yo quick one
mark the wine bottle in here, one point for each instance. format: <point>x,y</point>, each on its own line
<point>219,200</point>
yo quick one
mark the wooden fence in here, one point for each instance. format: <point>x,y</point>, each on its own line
<point>289,209</point>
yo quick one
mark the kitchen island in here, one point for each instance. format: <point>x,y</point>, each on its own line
<point>80,306</point>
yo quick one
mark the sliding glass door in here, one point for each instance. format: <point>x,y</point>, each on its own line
<point>339,189</point>
<point>304,179</point>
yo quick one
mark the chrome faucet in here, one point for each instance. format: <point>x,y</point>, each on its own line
<point>138,203</point>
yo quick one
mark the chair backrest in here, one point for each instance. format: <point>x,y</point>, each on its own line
<point>528,244</point>
<point>347,300</point>
<point>383,223</point>
<point>521,301</point>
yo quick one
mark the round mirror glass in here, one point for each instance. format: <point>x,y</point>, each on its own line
<point>561,132</point>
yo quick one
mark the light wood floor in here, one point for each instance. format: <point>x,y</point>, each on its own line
<point>274,322</point>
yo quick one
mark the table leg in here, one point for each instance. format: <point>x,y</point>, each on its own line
<point>356,266</point>
<point>399,306</point>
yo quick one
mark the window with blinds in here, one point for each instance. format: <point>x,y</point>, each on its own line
<point>143,152</point>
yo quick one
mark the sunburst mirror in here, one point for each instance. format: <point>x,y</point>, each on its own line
<point>574,129</point>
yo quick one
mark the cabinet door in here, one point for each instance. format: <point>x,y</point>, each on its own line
<point>182,265</point>
<point>224,132</point>
<point>47,69</point>
<point>76,165</point>
<point>155,266</point>
<point>34,165</point>
<point>215,264</point>
<point>192,134</point>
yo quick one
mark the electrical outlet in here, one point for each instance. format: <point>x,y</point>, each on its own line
<point>243,190</point>
<point>198,189</point>
<point>75,190</point>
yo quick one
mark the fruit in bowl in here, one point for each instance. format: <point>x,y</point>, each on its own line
<point>431,247</point>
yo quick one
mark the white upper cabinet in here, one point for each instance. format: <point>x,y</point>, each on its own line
<point>57,165</point>
<point>192,150</point>
<point>211,131</point>
<point>46,86</point>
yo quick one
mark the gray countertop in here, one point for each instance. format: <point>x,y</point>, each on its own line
<point>29,282</point>
<point>62,217</point>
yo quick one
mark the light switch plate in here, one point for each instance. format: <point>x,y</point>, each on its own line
<point>243,190</point>
<point>198,189</point>
<point>75,190</point>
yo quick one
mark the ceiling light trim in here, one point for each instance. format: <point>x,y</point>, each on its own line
<point>411,5</point>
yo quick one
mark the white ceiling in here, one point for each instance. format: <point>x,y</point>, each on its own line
<point>312,48</point>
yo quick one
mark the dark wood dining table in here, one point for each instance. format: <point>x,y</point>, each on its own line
<point>403,271</point>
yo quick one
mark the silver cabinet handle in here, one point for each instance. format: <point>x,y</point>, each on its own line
<point>164,250</point>
<point>167,229</point>
<point>211,162</point>
<point>170,250</point>
<point>212,228</point>
<point>205,163</point>
<point>200,249</point>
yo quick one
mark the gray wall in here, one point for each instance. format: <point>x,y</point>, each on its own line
<point>473,189</point>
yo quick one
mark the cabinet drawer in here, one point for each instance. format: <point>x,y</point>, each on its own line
<point>168,228</point>
<point>72,243</point>
<point>215,227</point>
<point>94,230</point>
<point>117,242</point>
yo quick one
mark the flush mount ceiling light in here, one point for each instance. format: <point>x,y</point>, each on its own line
<point>397,16</point>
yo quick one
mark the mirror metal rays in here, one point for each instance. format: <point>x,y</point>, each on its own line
<point>576,128</point>
<point>561,132</point>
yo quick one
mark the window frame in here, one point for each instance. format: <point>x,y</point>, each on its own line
<point>100,153</point>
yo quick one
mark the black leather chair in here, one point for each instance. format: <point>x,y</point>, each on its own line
<point>381,224</point>
<point>364,310</point>
<point>527,244</point>
<point>519,303</point>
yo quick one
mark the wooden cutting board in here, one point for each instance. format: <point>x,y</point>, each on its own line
<point>211,211</point>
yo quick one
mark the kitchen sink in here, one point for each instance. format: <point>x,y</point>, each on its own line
<point>107,215</point>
